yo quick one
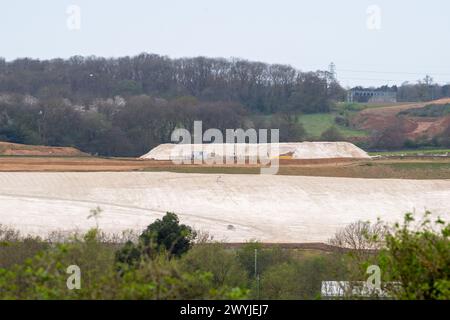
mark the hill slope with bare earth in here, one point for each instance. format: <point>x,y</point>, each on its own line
<point>15,149</point>
<point>378,119</point>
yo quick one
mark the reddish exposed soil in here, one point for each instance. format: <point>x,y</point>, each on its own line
<point>378,119</point>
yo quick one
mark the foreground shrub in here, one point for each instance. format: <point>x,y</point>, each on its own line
<point>295,280</point>
<point>266,257</point>
<point>416,259</point>
<point>15,248</point>
<point>413,258</point>
<point>220,262</point>
<point>165,234</point>
<point>45,276</point>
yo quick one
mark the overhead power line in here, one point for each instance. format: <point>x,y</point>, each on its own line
<point>396,72</point>
<point>369,79</point>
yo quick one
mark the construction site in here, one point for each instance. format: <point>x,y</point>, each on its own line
<point>320,188</point>
<point>231,152</point>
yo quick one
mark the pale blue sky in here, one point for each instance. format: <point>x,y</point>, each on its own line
<point>413,39</point>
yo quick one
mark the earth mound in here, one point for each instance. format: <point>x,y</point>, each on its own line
<point>295,150</point>
<point>16,149</point>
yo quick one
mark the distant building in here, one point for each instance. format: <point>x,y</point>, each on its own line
<point>370,95</point>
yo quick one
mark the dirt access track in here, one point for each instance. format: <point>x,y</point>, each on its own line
<point>384,117</point>
<point>81,164</point>
<point>410,168</point>
<point>230,207</point>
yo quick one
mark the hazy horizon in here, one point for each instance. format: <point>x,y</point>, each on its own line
<point>371,42</point>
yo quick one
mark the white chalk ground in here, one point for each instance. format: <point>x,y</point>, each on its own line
<point>296,150</point>
<point>263,207</point>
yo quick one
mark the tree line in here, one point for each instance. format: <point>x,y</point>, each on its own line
<point>125,106</point>
<point>259,87</point>
<point>423,90</point>
<point>119,127</point>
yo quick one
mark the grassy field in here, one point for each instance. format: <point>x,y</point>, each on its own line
<point>411,152</point>
<point>315,124</point>
<point>403,168</point>
<point>356,106</point>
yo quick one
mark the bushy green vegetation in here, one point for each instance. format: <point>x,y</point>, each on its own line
<point>165,235</point>
<point>431,110</point>
<point>290,129</point>
<point>200,270</point>
<point>413,258</point>
<point>331,134</point>
<point>416,258</point>
<point>416,261</point>
<point>350,106</point>
<point>412,152</point>
<point>318,123</point>
<point>421,166</point>
<point>157,273</point>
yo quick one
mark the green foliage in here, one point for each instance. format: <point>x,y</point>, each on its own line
<point>331,134</point>
<point>128,87</point>
<point>351,106</point>
<point>414,259</point>
<point>299,279</point>
<point>421,151</point>
<point>221,263</point>
<point>316,124</point>
<point>341,120</point>
<point>168,233</point>
<point>15,249</point>
<point>417,257</point>
<point>265,257</point>
<point>163,235</point>
<point>44,276</point>
<point>291,130</point>
<point>431,110</point>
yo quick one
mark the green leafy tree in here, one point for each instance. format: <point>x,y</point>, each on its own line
<point>44,276</point>
<point>416,259</point>
<point>332,134</point>
<point>220,262</point>
<point>166,234</point>
<point>265,257</point>
<point>298,279</point>
<point>169,234</point>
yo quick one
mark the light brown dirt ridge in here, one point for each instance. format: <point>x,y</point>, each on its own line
<point>381,118</point>
<point>15,149</point>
